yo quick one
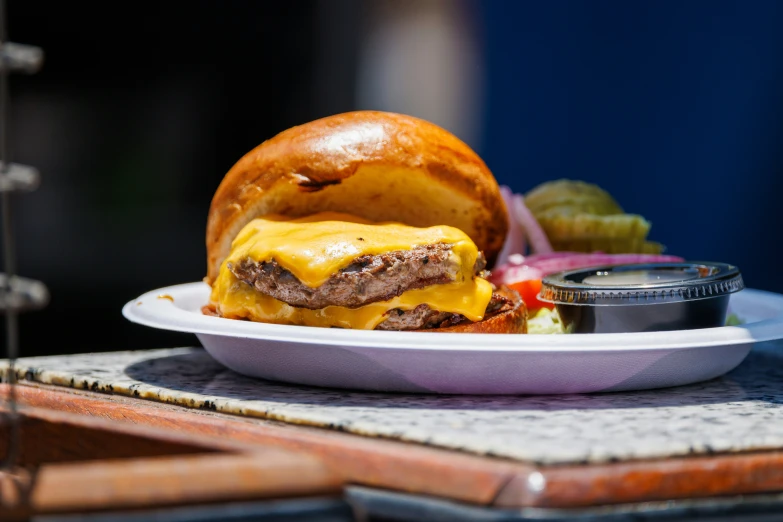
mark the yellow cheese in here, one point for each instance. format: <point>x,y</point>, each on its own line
<point>315,247</point>
<point>236,299</point>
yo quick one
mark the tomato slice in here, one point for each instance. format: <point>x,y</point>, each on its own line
<point>529,290</point>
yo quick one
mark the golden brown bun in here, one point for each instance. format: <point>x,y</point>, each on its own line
<point>513,321</point>
<point>376,165</point>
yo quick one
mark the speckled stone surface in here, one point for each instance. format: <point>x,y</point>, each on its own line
<point>738,412</point>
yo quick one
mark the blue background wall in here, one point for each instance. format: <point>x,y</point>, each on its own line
<point>675,107</point>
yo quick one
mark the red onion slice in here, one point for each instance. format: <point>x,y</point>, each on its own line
<point>577,260</point>
<point>538,266</point>
<point>515,238</point>
<point>539,243</point>
<point>509,274</point>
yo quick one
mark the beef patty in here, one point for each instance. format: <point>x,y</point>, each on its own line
<point>420,318</point>
<point>368,279</point>
<point>423,317</point>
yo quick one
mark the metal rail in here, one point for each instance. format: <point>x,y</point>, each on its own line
<point>16,294</point>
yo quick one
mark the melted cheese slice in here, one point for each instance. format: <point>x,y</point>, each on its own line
<point>315,247</point>
<point>236,299</point>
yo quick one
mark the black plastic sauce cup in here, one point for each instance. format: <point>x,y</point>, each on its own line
<point>642,297</point>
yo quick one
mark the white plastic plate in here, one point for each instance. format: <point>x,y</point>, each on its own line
<point>464,363</point>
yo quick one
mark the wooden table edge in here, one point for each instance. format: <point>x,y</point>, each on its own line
<point>381,463</point>
<point>425,470</point>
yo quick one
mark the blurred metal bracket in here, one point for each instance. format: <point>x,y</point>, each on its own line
<point>18,178</point>
<point>22,294</point>
<point>22,58</point>
<point>16,294</point>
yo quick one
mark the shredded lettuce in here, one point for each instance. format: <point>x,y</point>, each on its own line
<point>544,321</point>
<point>734,320</point>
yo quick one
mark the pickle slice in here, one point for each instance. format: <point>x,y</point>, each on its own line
<point>573,195</point>
<point>582,217</point>
<point>609,246</point>
<point>559,226</point>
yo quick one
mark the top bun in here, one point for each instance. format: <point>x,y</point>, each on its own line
<point>376,165</point>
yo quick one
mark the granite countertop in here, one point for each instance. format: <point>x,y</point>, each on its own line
<point>741,411</point>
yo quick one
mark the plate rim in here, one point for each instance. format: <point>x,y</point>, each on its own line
<point>164,314</point>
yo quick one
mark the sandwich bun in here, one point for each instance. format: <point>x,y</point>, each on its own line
<point>379,166</point>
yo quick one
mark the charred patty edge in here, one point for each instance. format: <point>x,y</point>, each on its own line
<point>424,318</point>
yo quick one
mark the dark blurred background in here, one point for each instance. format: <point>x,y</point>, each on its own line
<point>674,107</point>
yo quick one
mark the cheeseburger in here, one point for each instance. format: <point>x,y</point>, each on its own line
<point>364,220</point>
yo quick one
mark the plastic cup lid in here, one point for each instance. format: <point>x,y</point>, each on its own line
<point>648,283</point>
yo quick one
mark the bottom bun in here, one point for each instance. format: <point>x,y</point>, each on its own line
<point>513,321</point>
